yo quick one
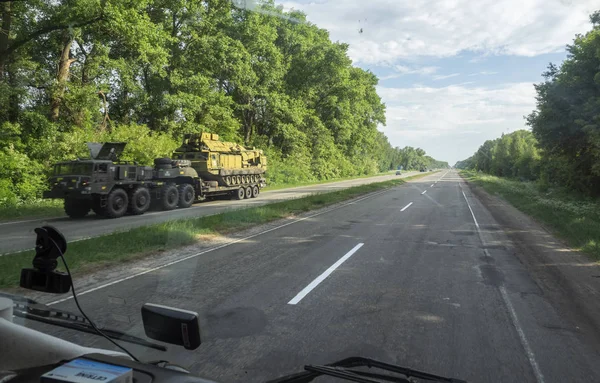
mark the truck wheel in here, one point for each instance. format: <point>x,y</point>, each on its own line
<point>239,193</point>
<point>186,195</point>
<point>169,197</point>
<point>116,204</point>
<point>76,208</point>
<point>248,192</point>
<point>96,205</point>
<point>255,191</point>
<point>139,201</point>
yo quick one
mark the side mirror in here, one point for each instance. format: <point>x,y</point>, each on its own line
<point>171,325</point>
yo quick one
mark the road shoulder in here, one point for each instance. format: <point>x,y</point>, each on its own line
<point>569,279</point>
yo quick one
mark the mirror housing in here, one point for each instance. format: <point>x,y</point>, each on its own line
<point>171,325</point>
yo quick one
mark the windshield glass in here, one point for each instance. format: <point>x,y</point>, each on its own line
<point>413,181</point>
<point>73,169</point>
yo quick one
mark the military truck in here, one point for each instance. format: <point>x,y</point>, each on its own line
<point>112,188</point>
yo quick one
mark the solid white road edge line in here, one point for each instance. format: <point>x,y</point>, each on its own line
<point>472,215</point>
<point>304,292</point>
<point>211,249</point>
<point>539,377</point>
<point>28,220</point>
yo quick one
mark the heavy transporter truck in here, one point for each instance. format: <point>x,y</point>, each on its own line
<point>200,168</point>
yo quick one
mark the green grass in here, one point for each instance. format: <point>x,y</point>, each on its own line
<point>572,217</point>
<point>120,247</point>
<point>40,209</point>
<point>287,185</point>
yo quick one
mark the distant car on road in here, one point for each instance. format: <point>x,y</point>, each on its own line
<point>422,170</point>
<point>398,173</point>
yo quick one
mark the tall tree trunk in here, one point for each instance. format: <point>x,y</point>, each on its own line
<point>84,67</point>
<point>13,98</point>
<point>248,125</point>
<point>6,75</point>
<point>4,35</point>
<point>62,76</point>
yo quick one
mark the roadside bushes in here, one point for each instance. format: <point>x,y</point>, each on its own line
<point>25,166</point>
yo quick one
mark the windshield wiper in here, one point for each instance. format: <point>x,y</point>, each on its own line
<point>344,369</point>
<point>30,309</point>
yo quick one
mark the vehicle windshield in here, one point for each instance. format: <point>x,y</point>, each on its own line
<point>411,181</point>
<point>72,169</point>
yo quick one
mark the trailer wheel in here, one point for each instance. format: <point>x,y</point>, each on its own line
<point>139,201</point>
<point>169,197</point>
<point>187,195</point>
<point>116,204</point>
<point>255,191</point>
<point>76,208</point>
<point>248,191</point>
<point>239,193</point>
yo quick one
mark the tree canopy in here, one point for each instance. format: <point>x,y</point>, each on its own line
<point>566,122</point>
<point>147,71</point>
<point>512,155</point>
<point>563,147</point>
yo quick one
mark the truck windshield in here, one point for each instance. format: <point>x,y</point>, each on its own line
<point>72,169</point>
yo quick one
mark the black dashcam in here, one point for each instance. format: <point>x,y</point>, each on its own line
<point>49,245</point>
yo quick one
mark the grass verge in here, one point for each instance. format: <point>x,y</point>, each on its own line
<point>573,218</point>
<point>41,209</point>
<point>286,185</point>
<point>121,247</point>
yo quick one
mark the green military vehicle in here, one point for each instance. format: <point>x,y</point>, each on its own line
<point>227,163</point>
<point>111,188</point>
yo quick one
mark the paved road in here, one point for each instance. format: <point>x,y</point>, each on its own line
<point>419,275</point>
<point>19,235</point>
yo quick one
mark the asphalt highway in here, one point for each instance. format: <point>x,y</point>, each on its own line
<point>19,235</point>
<point>420,275</point>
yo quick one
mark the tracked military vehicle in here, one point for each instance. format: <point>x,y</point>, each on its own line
<point>227,163</point>
<point>112,188</point>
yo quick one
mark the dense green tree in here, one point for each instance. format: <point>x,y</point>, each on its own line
<point>566,122</point>
<point>512,155</point>
<point>148,71</point>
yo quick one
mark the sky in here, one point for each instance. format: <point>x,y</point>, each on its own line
<point>453,73</point>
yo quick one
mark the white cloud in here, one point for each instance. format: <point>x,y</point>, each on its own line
<point>422,70</point>
<point>402,70</point>
<point>483,73</point>
<point>394,29</point>
<point>451,122</point>
<point>443,77</point>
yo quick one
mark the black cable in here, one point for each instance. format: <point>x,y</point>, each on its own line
<point>81,310</point>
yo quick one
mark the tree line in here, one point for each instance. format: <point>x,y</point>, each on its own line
<point>563,146</point>
<point>148,71</point>
<point>512,155</point>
